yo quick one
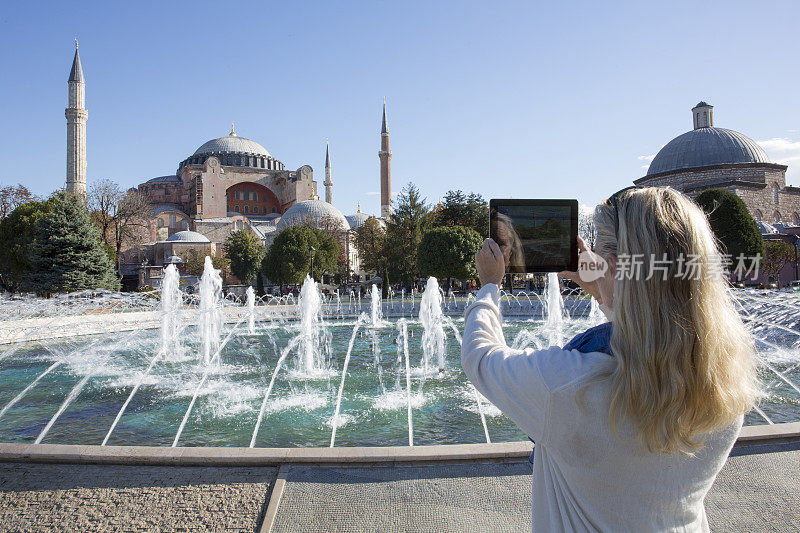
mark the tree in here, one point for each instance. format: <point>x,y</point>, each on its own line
<point>459,209</point>
<point>67,252</point>
<point>448,252</point>
<point>13,196</point>
<point>122,216</point>
<point>586,228</point>
<point>404,233</point>
<point>288,260</point>
<point>731,223</point>
<point>17,232</point>
<point>245,252</point>
<point>370,241</point>
<point>777,254</point>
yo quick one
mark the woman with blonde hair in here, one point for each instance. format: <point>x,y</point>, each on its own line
<point>632,419</point>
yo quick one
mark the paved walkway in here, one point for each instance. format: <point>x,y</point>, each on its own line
<point>758,490</point>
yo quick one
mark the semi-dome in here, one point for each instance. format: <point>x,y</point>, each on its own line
<point>314,213</point>
<point>232,144</point>
<point>356,220</point>
<point>187,236</point>
<point>706,146</point>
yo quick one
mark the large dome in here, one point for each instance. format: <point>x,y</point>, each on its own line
<point>314,213</point>
<point>232,144</point>
<point>704,147</point>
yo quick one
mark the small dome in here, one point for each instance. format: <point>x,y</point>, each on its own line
<point>187,236</point>
<point>314,213</point>
<point>232,144</point>
<point>705,147</point>
<point>356,220</point>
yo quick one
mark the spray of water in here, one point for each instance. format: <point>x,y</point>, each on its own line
<point>210,310</point>
<point>336,419</point>
<point>431,317</point>
<point>403,326</point>
<point>553,311</point>
<point>170,306</point>
<point>310,360</point>
<point>251,311</point>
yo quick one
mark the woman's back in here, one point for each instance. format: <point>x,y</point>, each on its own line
<point>584,477</point>
<point>600,482</point>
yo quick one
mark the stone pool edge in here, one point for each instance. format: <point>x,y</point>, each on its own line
<point>221,456</point>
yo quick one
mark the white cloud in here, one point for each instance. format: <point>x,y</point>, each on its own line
<point>647,159</point>
<point>786,152</point>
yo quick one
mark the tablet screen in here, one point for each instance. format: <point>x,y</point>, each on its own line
<point>536,235</point>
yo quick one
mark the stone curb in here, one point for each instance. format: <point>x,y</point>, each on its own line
<point>222,456</point>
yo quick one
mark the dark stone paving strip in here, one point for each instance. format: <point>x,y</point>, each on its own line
<point>62,497</point>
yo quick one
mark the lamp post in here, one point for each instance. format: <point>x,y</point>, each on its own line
<point>312,261</point>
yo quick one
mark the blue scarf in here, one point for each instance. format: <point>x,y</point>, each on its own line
<point>596,339</point>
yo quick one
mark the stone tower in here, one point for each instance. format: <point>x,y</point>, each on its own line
<point>703,115</point>
<point>328,182</point>
<point>76,129</point>
<point>385,156</point>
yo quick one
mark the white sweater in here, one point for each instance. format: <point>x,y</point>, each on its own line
<point>585,479</point>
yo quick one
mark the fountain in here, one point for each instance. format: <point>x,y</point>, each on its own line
<point>210,312</point>
<point>200,376</point>
<point>310,361</point>
<point>430,316</point>
<point>376,308</point>
<point>554,311</point>
<point>251,311</point>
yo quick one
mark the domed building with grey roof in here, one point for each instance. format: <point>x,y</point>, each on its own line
<point>711,157</point>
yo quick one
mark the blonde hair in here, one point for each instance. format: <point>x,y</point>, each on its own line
<point>685,361</point>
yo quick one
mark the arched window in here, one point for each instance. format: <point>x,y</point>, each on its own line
<point>184,225</point>
<point>775,193</point>
<point>172,221</point>
<point>160,222</point>
<point>759,215</point>
<point>776,216</point>
<point>247,209</point>
<point>237,209</point>
<point>255,209</point>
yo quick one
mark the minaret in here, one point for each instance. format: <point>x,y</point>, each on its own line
<point>328,181</point>
<point>385,156</point>
<point>76,128</point>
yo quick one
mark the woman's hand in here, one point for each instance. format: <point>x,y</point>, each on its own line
<point>490,264</point>
<point>590,287</point>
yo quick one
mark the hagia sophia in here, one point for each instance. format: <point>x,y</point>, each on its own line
<point>232,183</point>
<point>228,184</point>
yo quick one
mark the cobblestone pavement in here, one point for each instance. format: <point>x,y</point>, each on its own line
<point>57,497</point>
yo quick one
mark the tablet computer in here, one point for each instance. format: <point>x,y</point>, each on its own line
<point>536,235</point>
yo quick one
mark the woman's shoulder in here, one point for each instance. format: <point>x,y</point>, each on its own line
<point>562,367</point>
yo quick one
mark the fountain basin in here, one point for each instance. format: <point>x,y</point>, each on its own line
<point>299,411</point>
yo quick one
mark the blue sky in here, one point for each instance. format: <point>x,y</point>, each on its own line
<point>552,100</point>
